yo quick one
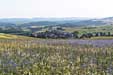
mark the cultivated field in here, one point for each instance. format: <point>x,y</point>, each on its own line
<point>81,30</point>
<point>55,57</point>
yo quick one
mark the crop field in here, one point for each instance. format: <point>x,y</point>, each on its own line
<point>56,57</point>
<point>108,28</point>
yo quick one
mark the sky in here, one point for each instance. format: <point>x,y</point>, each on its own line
<point>55,8</point>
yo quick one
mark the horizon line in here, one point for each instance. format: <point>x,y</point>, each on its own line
<point>49,17</point>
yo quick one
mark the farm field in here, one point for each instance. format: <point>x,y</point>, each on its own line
<point>31,56</point>
<point>108,28</point>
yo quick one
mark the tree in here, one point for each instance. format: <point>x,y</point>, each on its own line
<point>75,34</point>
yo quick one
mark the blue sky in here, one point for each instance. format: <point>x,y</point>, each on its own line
<point>55,8</point>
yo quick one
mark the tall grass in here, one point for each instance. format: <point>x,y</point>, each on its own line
<point>53,57</point>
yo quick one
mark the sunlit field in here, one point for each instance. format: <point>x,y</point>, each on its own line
<point>56,57</point>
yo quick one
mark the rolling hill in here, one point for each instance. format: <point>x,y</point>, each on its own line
<point>72,21</point>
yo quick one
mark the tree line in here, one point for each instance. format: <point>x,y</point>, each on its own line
<point>61,34</point>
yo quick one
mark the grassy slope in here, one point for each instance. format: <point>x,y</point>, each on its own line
<point>10,36</point>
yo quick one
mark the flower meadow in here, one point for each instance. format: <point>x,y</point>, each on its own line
<point>56,57</point>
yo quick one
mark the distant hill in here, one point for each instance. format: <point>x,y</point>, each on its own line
<point>27,20</point>
<point>7,24</point>
<point>83,23</point>
<point>71,21</point>
<point>15,20</point>
<point>108,20</point>
<point>40,23</point>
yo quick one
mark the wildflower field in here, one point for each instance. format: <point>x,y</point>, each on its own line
<point>56,57</point>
